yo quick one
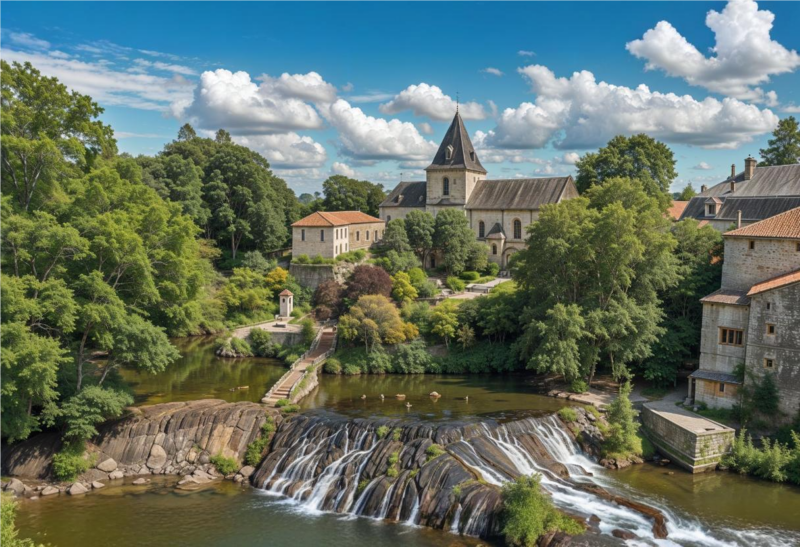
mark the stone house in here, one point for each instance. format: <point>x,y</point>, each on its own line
<point>329,234</point>
<point>750,196</point>
<point>498,210</point>
<point>754,318</point>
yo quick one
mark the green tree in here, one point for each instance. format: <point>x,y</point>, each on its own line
<point>687,193</point>
<point>402,289</point>
<point>395,237</point>
<point>466,336</point>
<point>560,334</point>
<point>222,136</point>
<point>345,194</point>
<point>186,133</point>
<point>639,157</point>
<point>622,437</point>
<point>420,227</point>
<point>784,146</point>
<point>444,321</point>
<point>48,135</point>
<point>454,239</point>
<point>528,513</point>
<point>375,320</point>
<point>82,413</point>
<point>9,535</point>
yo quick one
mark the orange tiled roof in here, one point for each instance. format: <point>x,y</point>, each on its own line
<point>783,226</point>
<point>775,283</point>
<point>337,218</point>
<point>676,209</point>
<point>286,292</point>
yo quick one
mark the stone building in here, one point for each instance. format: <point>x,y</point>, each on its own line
<point>747,197</point>
<point>329,234</point>
<point>498,210</point>
<point>754,318</point>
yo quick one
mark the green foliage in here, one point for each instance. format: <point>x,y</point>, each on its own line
<point>465,336</point>
<point>568,414</point>
<point>396,434</point>
<point>622,438</point>
<point>455,284</point>
<point>470,276</point>
<point>433,452</point>
<point>402,289</point>
<point>280,403</point>
<point>362,484</point>
<point>528,513</point>
<point>418,313</point>
<point>8,530</point>
<point>483,357</point>
<point>492,269</point>
<point>356,360</point>
<point>290,409</point>
<point>91,406</point>
<point>261,343</point>
<point>411,358</point>
<point>560,335</point>
<point>352,257</point>
<point>420,228</point>
<point>345,194</point>
<point>255,449</point>
<point>333,366</point>
<point>382,431</point>
<point>578,386</point>
<point>444,320</point>
<point>301,259</point>
<point>774,461</point>
<point>254,260</point>
<point>394,262</point>
<point>454,239</point>
<point>784,147</point>
<point>224,465</point>
<point>309,332</point>
<point>687,193</point>
<point>232,346</point>
<point>71,462</point>
<point>374,320</point>
<point>395,237</point>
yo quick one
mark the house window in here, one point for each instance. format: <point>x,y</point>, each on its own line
<point>322,235</point>
<point>752,244</point>
<point>446,187</point>
<point>722,387</point>
<point>517,229</point>
<point>481,229</point>
<point>769,306</point>
<point>494,249</point>
<point>797,246</point>
<point>302,235</point>
<point>366,235</point>
<point>731,337</point>
<point>358,235</point>
<point>711,209</point>
<point>376,235</point>
<point>769,363</point>
<point>771,329</point>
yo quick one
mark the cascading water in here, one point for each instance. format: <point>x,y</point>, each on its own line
<point>325,465</point>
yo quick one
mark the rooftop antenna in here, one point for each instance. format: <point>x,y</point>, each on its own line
<point>456,102</point>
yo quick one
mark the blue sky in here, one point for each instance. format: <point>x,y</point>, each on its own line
<point>368,89</point>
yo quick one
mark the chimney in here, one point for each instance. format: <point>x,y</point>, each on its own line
<point>749,167</point>
<point>733,170</point>
<point>703,188</point>
<point>739,218</point>
<point>733,186</point>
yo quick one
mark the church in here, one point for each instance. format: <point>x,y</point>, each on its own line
<point>498,210</point>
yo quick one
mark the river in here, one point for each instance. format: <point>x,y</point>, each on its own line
<point>710,509</point>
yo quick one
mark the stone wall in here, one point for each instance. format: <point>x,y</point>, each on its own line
<point>313,243</point>
<point>312,275</point>
<point>693,450</point>
<point>362,236</point>
<point>707,391</point>
<point>392,213</point>
<point>713,355</point>
<point>744,267</point>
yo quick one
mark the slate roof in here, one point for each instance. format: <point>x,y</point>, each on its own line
<point>785,225</point>
<point>496,232</point>
<point>463,156</point>
<point>775,283</point>
<point>322,219</point>
<point>755,209</point>
<point>715,376</point>
<point>777,180</point>
<point>727,296</point>
<point>413,195</point>
<point>523,194</point>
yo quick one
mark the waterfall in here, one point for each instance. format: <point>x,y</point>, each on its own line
<point>456,520</point>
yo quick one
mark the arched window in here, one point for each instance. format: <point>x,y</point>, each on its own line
<point>517,229</point>
<point>494,249</point>
<point>481,229</point>
<point>446,187</point>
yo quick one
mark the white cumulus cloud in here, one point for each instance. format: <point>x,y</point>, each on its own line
<point>579,112</point>
<point>339,168</point>
<point>744,54</point>
<point>308,87</point>
<point>287,150</point>
<point>425,128</point>
<point>493,71</point>
<point>702,166</point>
<point>429,100</point>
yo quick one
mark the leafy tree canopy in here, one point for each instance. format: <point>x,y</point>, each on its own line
<point>345,194</point>
<point>784,146</point>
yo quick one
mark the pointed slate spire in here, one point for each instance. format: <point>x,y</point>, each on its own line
<point>456,150</point>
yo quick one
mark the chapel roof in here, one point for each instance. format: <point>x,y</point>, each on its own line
<point>462,154</point>
<point>523,194</point>
<point>407,194</point>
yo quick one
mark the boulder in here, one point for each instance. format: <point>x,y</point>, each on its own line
<point>204,458</point>
<point>49,491</point>
<point>97,485</point>
<point>434,395</point>
<point>141,481</point>
<point>115,475</point>
<point>76,489</point>
<point>108,465</point>
<point>16,487</point>
<point>158,457</point>
<point>623,534</point>
<point>94,475</point>
<point>246,471</point>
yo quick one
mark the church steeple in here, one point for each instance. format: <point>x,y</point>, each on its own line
<point>456,150</point>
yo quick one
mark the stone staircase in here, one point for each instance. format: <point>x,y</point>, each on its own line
<point>283,389</point>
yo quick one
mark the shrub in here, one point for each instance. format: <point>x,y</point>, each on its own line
<point>261,343</point>
<point>290,409</point>
<point>333,366</point>
<point>528,513</point>
<point>320,260</point>
<point>568,414</point>
<point>622,438</point>
<point>224,465</point>
<point>309,332</point>
<point>456,491</point>
<point>362,484</point>
<point>591,409</point>
<point>70,462</point>
<point>579,386</point>
<point>368,280</point>
<point>469,276</point>
<point>301,259</point>
<point>394,469</point>
<point>774,461</point>
<point>234,346</point>
<point>352,369</point>
<point>412,358</point>
<point>396,434</point>
<point>290,358</point>
<point>427,290</point>
<point>280,403</point>
<point>433,452</point>
<point>455,284</point>
<point>382,431</point>
<point>492,268</point>
<point>352,257</point>
<point>256,448</point>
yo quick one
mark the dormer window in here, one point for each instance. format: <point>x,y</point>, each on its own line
<point>711,209</point>
<point>446,186</point>
<point>448,153</point>
<point>472,155</point>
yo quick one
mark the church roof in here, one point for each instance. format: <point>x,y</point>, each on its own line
<point>523,194</point>
<point>496,232</point>
<point>322,219</point>
<point>783,226</point>
<point>462,154</point>
<point>407,194</point>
